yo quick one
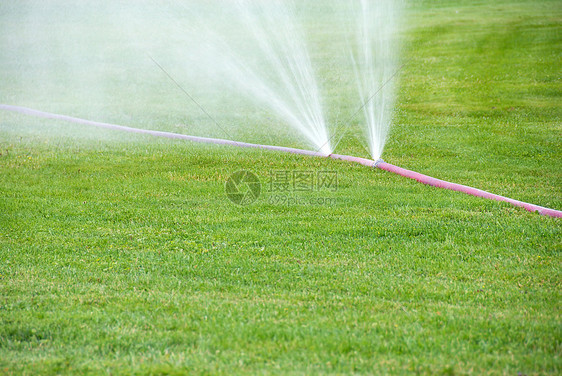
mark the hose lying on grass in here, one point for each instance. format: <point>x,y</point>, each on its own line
<point>366,162</point>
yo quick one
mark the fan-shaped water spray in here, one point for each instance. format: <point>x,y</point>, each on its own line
<point>272,65</point>
<point>375,57</point>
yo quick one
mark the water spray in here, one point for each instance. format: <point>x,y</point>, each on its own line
<point>363,161</point>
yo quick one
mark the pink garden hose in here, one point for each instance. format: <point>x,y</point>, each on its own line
<point>366,162</point>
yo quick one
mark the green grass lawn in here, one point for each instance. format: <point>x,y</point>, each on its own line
<point>121,254</point>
